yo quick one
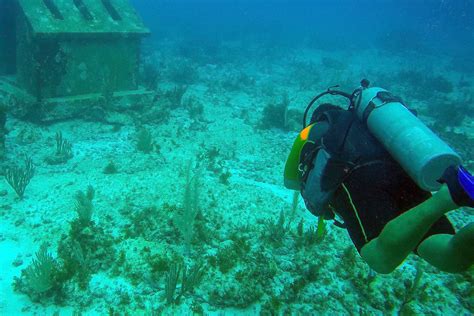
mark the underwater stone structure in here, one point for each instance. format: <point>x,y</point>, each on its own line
<point>7,38</point>
<point>62,57</point>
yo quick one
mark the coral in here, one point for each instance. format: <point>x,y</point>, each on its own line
<point>294,206</point>
<point>226,259</point>
<point>150,76</point>
<point>143,223</point>
<point>86,248</point>
<point>461,142</point>
<point>215,162</point>
<point>447,112</point>
<point>195,108</point>
<point>63,151</point>
<point>110,168</point>
<point>439,84</point>
<point>182,72</point>
<point>83,251</point>
<point>224,177</point>
<point>275,115</point>
<point>145,141</point>
<point>422,85</point>
<point>412,290</point>
<point>109,86</point>
<point>190,279</point>
<point>83,206</point>
<point>28,135</point>
<point>3,131</point>
<point>241,293</point>
<point>39,275</point>
<point>237,81</point>
<point>311,236</point>
<point>277,231</point>
<point>184,219</point>
<point>304,74</point>
<point>410,78</point>
<point>159,263</point>
<point>42,279</point>
<point>175,96</point>
<point>19,178</point>
<point>159,109</point>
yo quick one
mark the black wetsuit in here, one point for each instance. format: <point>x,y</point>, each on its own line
<point>353,176</point>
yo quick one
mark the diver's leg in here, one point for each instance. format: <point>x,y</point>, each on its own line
<point>402,234</point>
<point>450,253</point>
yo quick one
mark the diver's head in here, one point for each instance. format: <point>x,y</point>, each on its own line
<point>305,141</point>
<point>318,116</point>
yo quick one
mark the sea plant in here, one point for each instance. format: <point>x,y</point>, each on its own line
<point>184,219</point>
<point>145,141</point>
<point>439,83</point>
<point>237,81</point>
<point>18,178</point>
<point>311,236</point>
<point>305,74</point>
<point>86,248</point>
<point>276,231</point>
<point>150,76</point>
<point>63,146</point>
<point>423,86</point>
<point>83,205</point>
<point>314,236</point>
<point>182,72</point>
<point>3,132</point>
<point>294,206</point>
<point>321,229</point>
<point>175,96</point>
<point>195,108</point>
<point>412,289</point>
<point>275,115</point>
<point>110,168</point>
<point>190,279</point>
<point>39,276</point>
<point>226,259</point>
<point>143,222</point>
<point>63,151</point>
<point>449,113</point>
<point>109,84</point>
<point>224,177</point>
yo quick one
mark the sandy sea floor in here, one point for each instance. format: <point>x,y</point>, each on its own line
<point>241,196</point>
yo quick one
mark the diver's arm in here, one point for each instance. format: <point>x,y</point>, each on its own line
<point>400,236</point>
<point>450,253</point>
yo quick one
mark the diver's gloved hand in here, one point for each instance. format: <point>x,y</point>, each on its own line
<point>460,184</point>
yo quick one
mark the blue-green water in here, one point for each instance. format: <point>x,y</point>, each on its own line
<point>154,165</point>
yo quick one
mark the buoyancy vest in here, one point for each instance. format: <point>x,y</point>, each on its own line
<point>350,146</point>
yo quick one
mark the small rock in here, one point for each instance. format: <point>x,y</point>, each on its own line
<point>17,262</point>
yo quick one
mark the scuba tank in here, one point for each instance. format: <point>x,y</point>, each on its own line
<point>420,152</point>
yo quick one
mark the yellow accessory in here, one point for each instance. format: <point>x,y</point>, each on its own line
<point>292,175</point>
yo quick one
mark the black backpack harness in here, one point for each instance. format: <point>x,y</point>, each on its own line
<point>350,145</point>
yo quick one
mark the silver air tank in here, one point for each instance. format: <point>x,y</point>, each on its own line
<point>421,153</point>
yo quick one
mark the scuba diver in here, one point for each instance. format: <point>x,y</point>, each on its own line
<point>374,166</point>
